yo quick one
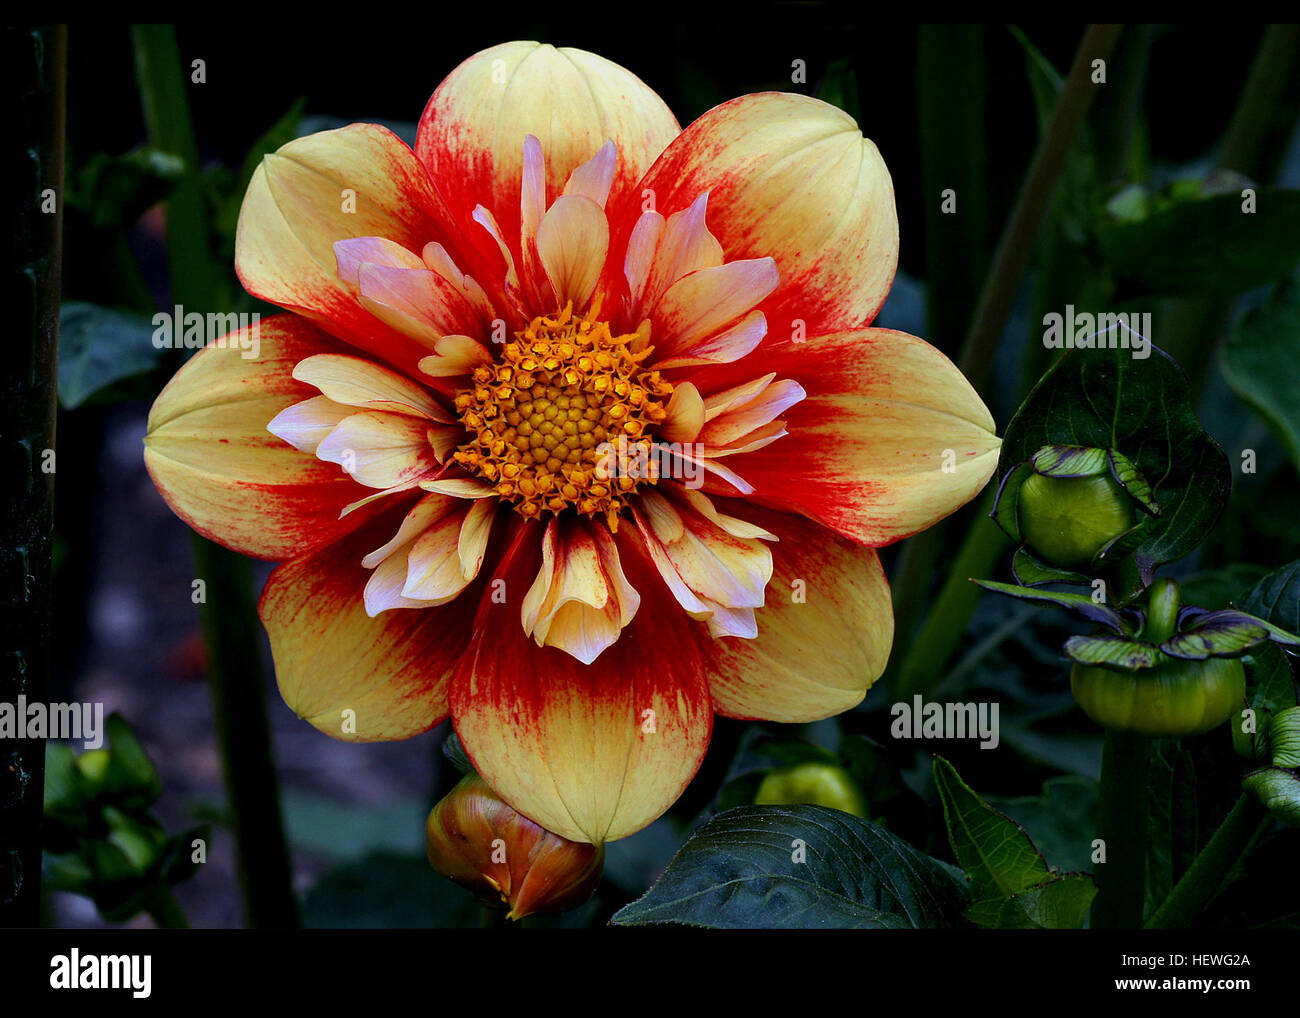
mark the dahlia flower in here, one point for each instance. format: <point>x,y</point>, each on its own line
<point>575,429</point>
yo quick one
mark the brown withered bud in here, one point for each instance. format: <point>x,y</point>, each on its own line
<point>480,842</point>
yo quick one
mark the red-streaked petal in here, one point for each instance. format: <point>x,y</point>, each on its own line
<point>824,633</point>
<point>592,752</point>
<point>791,178</point>
<point>354,677</point>
<point>473,129</point>
<point>213,460</point>
<point>571,244</point>
<point>295,210</point>
<point>891,438</point>
<point>381,450</point>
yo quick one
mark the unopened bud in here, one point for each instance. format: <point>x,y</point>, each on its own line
<point>479,841</point>
<point>816,783</point>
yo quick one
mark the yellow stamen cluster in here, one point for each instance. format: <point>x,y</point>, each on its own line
<point>543,418</point>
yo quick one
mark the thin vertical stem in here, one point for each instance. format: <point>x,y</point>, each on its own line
<point>229,613</point>
<point>1121,879</point>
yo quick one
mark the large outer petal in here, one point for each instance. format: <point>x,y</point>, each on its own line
<point>293,213</point>
<point>792,178</point>
<point>867,452</point>
<point>220,470</point>
<point>331,657</point>
<point>473,129</point>
<point>821,642</point>
<point>565,743</point>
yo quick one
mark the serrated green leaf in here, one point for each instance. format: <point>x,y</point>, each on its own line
<point>993,849</point>
<point>1059,903</point>
<point>738,871</point>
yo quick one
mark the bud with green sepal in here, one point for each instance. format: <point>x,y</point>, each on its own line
<point>1073,508</point>
<point>1168,670</point>
<point>1278,787</point>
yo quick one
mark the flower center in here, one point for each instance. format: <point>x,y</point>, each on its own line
<point>544,419</point>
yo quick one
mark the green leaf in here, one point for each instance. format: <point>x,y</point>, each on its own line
<point>114,191</point>
<point>99,346</point>
<point>739,871</point>
<point>1082,604</point>
<point>1011,882</point>
<point>1131,480</point>
<point>1030,572</point>
<point>1058,903</point>
<point>1006,507</point>
<point>1117,652</point>
<point>1255,362</point>
<point>1141,408</point>
<point>1206,246</point>
<point>1061,822</point>
<point>131,777</point>
<point>993,849</point>
<point>1276,598</point>
<point>1278,790</point>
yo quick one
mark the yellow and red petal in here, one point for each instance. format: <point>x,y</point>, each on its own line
<point>890,439</point>
<point>357,181</point>
<point>217,466</point>
<point>591,752</point>
<point>472,132</point>
<point>354,677</point>
<point>824,633</point>
<point>791,178</point>
<point>381,450</point>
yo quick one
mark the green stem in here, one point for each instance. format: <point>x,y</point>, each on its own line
<point>230,622</point>
<point>166,911</point>
<point>28,393</point>
<point>1205,876</point>
<point>1018,239</point>
<point>919,555</point>
<point>921,667</point>
<point>1121,879</point>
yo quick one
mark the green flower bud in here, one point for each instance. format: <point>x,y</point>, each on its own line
<point>1279,792</point>
<point>1173,698</point>
<point>816,783</point>
<point>1065,521</point>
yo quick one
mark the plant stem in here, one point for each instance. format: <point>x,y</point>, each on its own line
<point>1121,879</point>
<point>1001,282</point>
<point>28,394</point>
<point>921,667</point>
<point>1017,243</point>
<point>166,911</point>
<point>230,622</point>
<point>1205,876</point>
